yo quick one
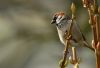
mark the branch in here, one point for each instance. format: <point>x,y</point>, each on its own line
<point>63,61</point>
<point>74,59</point>
<point>93,11</point>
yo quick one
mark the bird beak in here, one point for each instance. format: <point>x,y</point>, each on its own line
<point>53,21</point>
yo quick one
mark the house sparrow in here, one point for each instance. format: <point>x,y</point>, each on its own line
<point>63,23</point>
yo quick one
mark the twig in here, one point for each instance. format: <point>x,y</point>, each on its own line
<point>93,11</point>
<point>93,25</point>
<point>97,49</point>
<point>63,62</point>
<point>74,59</point>
<point>97,53</point>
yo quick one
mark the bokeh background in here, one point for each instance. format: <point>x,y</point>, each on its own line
<point>28,40</point>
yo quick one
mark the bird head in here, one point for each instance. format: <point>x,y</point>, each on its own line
<point>58,17</point>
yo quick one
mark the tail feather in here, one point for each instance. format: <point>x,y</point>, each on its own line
<point>87,45</point>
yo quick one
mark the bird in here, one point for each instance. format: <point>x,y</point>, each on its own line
<point>63,23</point>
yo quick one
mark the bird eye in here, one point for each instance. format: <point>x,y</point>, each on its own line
<point>54,20</point>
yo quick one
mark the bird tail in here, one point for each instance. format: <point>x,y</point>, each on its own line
<point>87,45</point>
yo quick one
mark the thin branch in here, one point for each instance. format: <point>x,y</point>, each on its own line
<point>97,53</point>
<point>93,11</point>
<point>74,59</point>
<point>63,61</point>
<point>93,25</point>
<point>96,17</point>
<point>97,49</point>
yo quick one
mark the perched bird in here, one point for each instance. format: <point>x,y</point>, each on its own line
<point>63,23</point>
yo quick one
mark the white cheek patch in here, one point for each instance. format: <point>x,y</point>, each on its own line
<point>58,20</point>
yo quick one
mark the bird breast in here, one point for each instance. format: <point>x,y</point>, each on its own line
<point>61,36</point>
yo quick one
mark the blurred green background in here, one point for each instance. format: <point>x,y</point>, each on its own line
<point>28,40</point>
